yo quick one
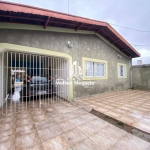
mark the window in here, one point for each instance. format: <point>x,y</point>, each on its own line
<point>94,69</point>
<point>121,70</point>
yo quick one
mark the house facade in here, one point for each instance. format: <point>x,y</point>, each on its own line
<point>81,50</point>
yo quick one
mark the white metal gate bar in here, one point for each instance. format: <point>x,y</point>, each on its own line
<point>29,81</point>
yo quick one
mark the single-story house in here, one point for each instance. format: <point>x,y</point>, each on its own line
<point>84,56</point>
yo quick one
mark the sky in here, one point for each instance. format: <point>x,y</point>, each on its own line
<point>133,14</point>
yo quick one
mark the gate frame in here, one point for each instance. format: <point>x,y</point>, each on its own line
<point>5,47</point>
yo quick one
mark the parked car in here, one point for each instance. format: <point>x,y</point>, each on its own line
<point>37,86</point>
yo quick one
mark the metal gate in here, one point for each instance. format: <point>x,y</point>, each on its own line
<point>29,81</point>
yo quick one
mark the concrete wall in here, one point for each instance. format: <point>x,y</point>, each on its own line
<point>1,83</point>
<point>141,77</point>
<point>89,46</point>
<point>3,78</point>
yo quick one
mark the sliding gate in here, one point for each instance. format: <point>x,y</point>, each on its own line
<point>29,81</point>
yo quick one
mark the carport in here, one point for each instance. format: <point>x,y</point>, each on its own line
<point>29,79</point>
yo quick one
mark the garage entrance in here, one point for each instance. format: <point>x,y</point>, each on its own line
<point>29,81</point>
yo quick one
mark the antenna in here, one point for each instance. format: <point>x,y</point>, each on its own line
<point>68,6</point>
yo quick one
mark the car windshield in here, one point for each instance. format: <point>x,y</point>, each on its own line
<point>38,79</point>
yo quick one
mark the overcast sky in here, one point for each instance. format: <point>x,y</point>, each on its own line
<point>129,13</point>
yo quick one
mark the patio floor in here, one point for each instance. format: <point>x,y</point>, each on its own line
<point>131,107</point>
<point>64,126</point>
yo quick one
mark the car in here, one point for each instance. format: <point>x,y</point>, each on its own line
<point>37,86</point>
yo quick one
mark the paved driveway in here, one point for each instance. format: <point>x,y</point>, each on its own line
<point>63,126</point>
<point>131,107</point>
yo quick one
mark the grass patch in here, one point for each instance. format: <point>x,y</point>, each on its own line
<point>120,123</point>
<point>106,117</point>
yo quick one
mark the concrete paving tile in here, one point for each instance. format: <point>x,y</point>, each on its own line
<point>25,141</point>
<point>40,117</point>
<point>142,126</point>
<point>113,131</point>
<point>24,121</point>
<point>120,111</point>
<point>99,123</point>
<point>53,114</point>
<point>43,124</point>
<point>145,120</point>
<point>130,142</point>
<point>7,126</point>
<point>72,108</point>
<point>136,116</point>
<point>7,138</point>
<point>86,144</point>
<point>35,147</point>
<point>147,115</point>
<point>144,110</point>
<point>7,132</point>
<point>77,121</point>
<point>92,106</point>
<point>26,129</point>
<point>109,107</point>
<point>103,141</point>
<point>37,112</point>
<point>7,145</point>
<point>102,110</point>
<point>88,117</point>
<point>146,107</point>
<point>9,111</point>
<point>64,110</point>
<point>67,104</point>
<point>100,105</point>
<point>124,108</point>
<point>8,119</point>
<point>60,118</point>
<point>50,109</point>
<point>58,107</point>
<point>113,114</point>
<point>70,115</point>
<point>74,136</point>
<point>23,115</point>
<point>88,128</point>
<point>56,143</point>
<point>135,111</point>
<point>133,106</point>
<point>127,120</point>
<point>66,126</point>
<point>80,112</point>
<point>49,132</point>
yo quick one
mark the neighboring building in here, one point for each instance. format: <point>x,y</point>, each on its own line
<point>40,41</point>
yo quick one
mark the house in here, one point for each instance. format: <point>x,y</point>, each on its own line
<point>44,42</point>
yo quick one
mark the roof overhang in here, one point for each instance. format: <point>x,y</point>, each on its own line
<point>18,13</point>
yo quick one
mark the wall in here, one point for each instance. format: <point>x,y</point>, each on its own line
<point>1,83</point>
<point>90,46</point>
<point>141,77</point>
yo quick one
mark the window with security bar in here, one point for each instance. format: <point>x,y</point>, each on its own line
<point>95,69</point>
<point>121,70</point>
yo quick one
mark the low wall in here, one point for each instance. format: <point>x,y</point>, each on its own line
<point>141,77</point>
